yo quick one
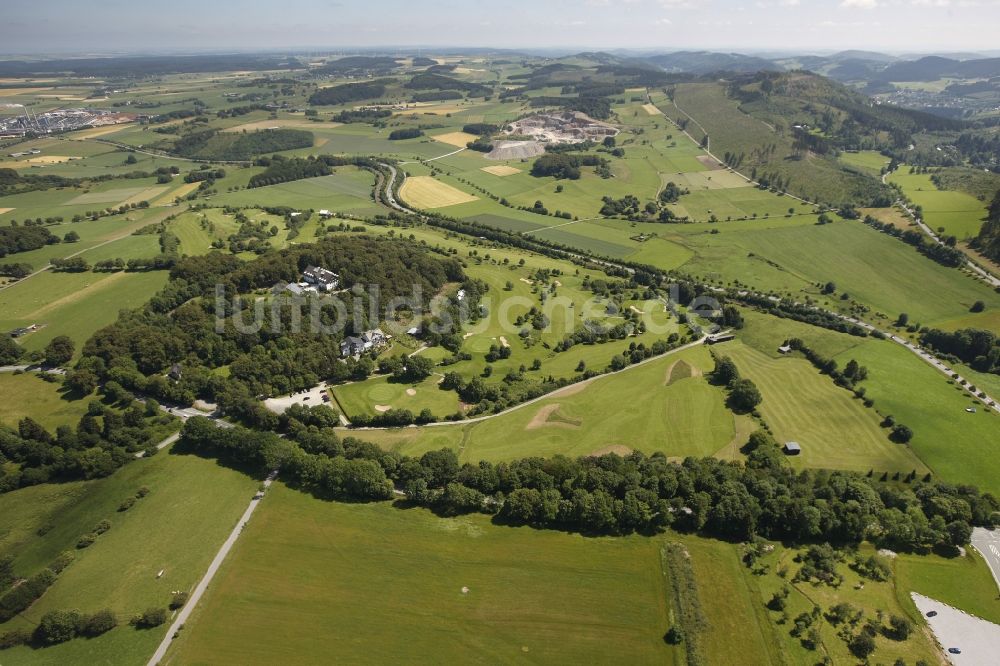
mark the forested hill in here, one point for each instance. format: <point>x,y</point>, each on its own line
<point>278,357</point>
<point>988,241</point>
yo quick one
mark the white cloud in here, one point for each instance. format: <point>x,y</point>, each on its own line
<point>859,4</point>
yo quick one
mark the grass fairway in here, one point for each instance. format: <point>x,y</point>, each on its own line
<point>833,427</point>
<point>40,399</point>
<point>686,417</point>
<point>191,506</point>
<point>362,397</point>
<point>361,580</point>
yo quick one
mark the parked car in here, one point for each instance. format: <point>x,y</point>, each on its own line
<point>954,651</point>
<point>932,614</point>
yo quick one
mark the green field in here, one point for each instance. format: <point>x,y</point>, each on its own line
<point>686,417</point>
<point>351,571</point>
<point>42,400</point>
<point>833,427</point>
<point>73,304</point>
<point>960,214</point>
<point>868,161</point>
<point>956,446</point>
<point>191,506</point>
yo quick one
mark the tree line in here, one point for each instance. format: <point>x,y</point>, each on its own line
<point>611,494</point>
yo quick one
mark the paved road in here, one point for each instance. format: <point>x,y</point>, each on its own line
<point>213,568</point>
<point>978,640</point>
<point>987,542</point>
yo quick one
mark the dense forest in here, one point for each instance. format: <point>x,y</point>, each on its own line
<point>427,81</point>
<point>976,347</point>
<point>988,240</point>
<point>348,92</point>
<point>237,146</point>
<point>282,169</point>
<point>23,239</point>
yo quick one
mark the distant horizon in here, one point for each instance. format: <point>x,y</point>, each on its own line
<point>888,26</point>
<point>403,50</point>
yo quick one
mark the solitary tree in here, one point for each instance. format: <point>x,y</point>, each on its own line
<point>59,351</point>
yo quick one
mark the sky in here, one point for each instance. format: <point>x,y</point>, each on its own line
<point>899,26</point>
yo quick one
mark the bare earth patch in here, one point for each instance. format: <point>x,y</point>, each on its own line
<point>710,162</point>
<point>501,170</point>
<point>548,416</point>
<point>620,449</point>
<point>651,109</point>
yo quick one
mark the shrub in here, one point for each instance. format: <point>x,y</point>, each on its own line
<point>178,600</point>
<point>57,627</point>
<point>149,618</point>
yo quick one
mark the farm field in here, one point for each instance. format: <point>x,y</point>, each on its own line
<point>870,267</point>
<point>345,578</point>
<point>958,213</point>
<point>73,304</point>
<point>953,444</point>
<point>426,192</point>
<point>119,571</point>
<point>683,417</point>
<point>349,190</point>
<point>833,427</point>
<point>868,161</point>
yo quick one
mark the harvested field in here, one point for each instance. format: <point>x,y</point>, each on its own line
<point>515,150</point>
<point>501,170</point>
<point>430,110</point>
<point>713,179</point>
<point>11,92</point>
<point>6,210</point>
<point>146,195</point>
<point>45,159</point>
<point>182,191</point>
<point>105,196</point>
<point>284,123</point>
<point>457,139</point>
<point>651,109</point>
<point>99,131</point>
<point>426,192</point>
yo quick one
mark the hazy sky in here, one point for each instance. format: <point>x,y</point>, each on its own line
<point>34,26</point>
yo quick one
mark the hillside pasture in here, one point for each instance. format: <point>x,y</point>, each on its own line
<point>492,594</point>
<point>960,214</point>
<point>169,530</point>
